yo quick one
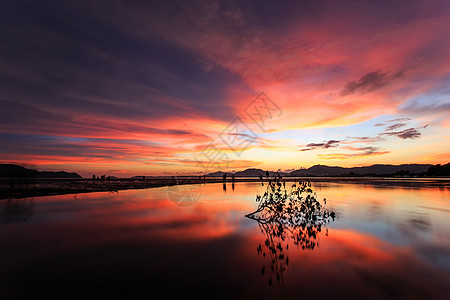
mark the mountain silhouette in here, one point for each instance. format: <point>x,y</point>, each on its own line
<point>219,174</point>
<point>252,172</point>
<point>322,170</point>
<point>15,171</point>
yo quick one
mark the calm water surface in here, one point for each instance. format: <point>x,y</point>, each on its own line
<point>387,242</point>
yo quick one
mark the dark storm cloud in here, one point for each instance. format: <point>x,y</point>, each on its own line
<point>18,117</point>
<point>399,120</point>
<point>410,133</point>
<point>325,145</point>
<point>394,126</point>
<point>61,61</point>
<point>364,139</point>
<point>84,149</point>
<point>357,152</point>
<point>370,82</point>
<point>389,130</point>
<point>366,150</point>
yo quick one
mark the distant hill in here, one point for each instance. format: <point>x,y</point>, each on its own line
<point>321,170</point>
<point>60,174</point>
<point>15,171</point>
<point>219,174</point>
<point>250,173</point>
<point>246,173</point>
<point>256,173</point>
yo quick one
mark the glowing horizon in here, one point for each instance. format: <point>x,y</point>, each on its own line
<point>143,89</point>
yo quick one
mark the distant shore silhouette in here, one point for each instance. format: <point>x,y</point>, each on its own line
<point>16,187</point>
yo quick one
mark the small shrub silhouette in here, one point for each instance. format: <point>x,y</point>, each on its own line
<point>287,215</point>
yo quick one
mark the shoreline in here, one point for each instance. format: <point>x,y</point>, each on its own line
<point>26,188</point>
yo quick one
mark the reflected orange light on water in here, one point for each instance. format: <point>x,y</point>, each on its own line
<point>386,241</point>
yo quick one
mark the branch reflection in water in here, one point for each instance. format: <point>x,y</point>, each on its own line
<point>288,215</point>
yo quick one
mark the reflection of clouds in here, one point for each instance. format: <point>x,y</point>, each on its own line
<point>414,228</point>
<point>419,223</point>
<point>437,209</point>
<point>17,210</point>
<point>375,208</point>
<point>353,264</point>
<point>396,202</point>
<point>426,238</point>
<point>435,254</point>
<point>141,238</point>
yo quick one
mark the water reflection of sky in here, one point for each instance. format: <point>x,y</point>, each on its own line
<point>386,242</point>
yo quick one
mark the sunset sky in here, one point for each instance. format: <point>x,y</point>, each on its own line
<point>129,88</point>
